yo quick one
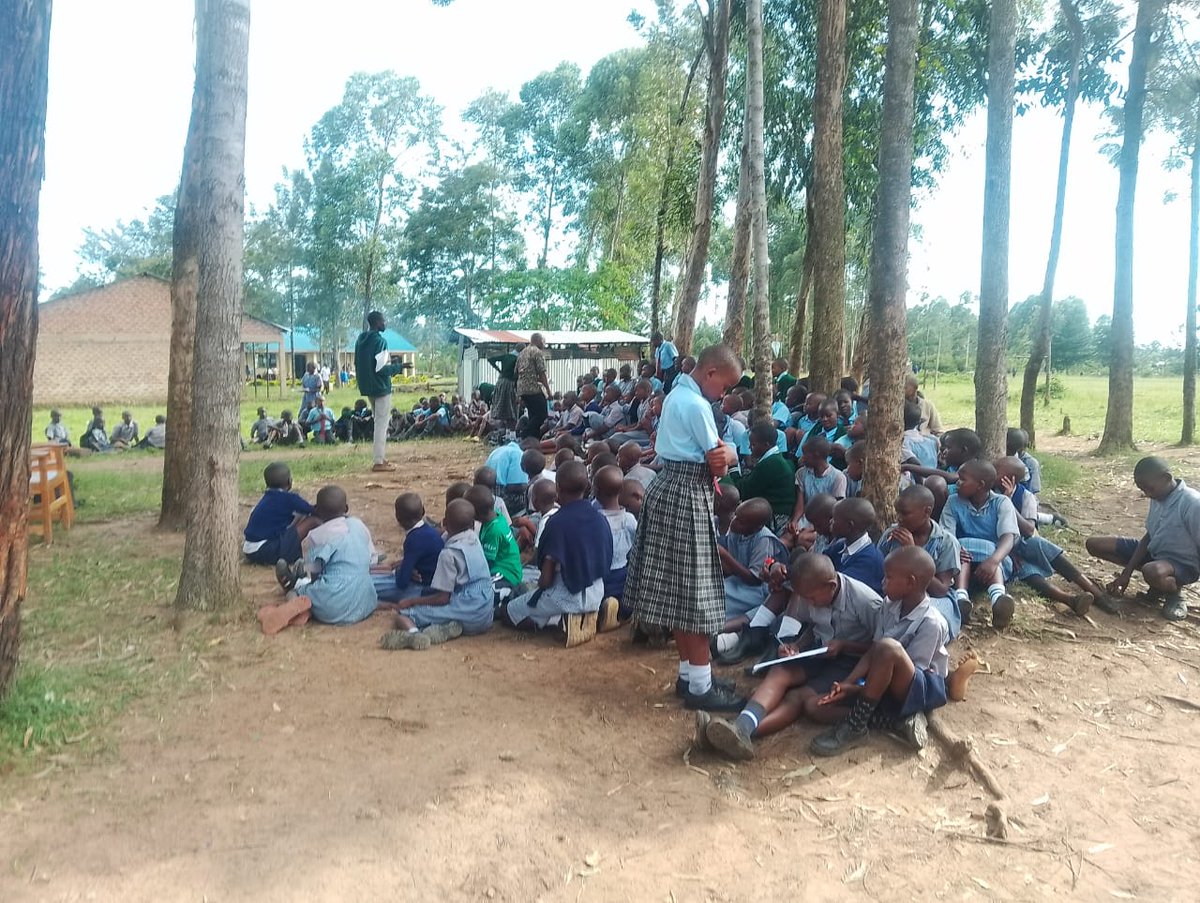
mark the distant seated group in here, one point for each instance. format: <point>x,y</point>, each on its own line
<point>96,438</point>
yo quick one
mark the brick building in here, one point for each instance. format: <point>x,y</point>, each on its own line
<point>113,344</point>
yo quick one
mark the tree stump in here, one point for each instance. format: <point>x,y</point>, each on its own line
<point>1066,427</point>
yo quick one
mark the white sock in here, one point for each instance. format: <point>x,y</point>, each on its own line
<point>789,627</point>
<point>726,641</point>
<point>1044,518</point>
<point>995,591</point>
<point>413,630</point>
<point>961,595</point>
<point>763,617</point>
<point>700,679</point>
<point>685,670</point>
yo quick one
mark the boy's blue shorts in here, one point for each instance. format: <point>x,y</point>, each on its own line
<point>1184,573</point>
<point>822,673</point>
<point>926,693</point>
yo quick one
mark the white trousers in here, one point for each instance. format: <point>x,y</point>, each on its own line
<point>381,405</point>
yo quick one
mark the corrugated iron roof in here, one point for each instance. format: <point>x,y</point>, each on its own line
<point>552,337</point>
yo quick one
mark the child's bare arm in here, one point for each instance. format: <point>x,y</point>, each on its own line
<point>442,598</point>
<point>549,569</point>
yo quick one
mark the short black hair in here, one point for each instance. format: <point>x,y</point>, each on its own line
<point>764,433</point>
<point>966,439</point>
<point>375,319</point>
<point>277,475</point>
<point>912,415</point>
<point>1016,440</point>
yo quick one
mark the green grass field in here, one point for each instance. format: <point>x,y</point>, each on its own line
<point>1156,405</point>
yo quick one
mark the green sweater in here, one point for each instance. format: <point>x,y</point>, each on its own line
<point>773,479</point>
<point>371,382</point>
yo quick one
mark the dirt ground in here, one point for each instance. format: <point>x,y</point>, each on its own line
<point>314,766</point>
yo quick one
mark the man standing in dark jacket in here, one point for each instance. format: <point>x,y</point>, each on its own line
<point>375,374</point>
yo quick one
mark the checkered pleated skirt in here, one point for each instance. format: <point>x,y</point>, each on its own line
<point>674,576</point>
<point>504,401</point>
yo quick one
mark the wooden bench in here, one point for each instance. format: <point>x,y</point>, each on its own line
<point>49,490</point>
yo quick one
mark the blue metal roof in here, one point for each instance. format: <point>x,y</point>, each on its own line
<point>306,342</point>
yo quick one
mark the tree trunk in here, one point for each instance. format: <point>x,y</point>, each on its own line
<point>1188,435</point>
<point>799,324</point>
<point>691,279</point>
<point>184,268</point>
<point>1118,419</point>
<point>887,355</point>
<point>664,197</point>
<point>212,552</point>
<point>1040,346</point>
<point>858,359</point>
<point>24,62</point>
<point>763,385</point>
<point>991,364</point>
<point>739,266</point>
<point>828,237</point>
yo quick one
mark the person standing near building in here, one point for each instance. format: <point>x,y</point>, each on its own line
<point>375,373</point>
<point>665,355</point>
<point>532,383</point>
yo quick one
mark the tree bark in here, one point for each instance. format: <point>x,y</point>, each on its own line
<point>739,268</point>
<point>1040,346</point>
<point>1118,418</point>
<point>24,63</point>
<point>887,355</point>
<point>211,552</point>
<point>664,197</point>
<point>799,322</point>
<point>691,279</point>
<point>1188,434</point>
<point>829,203</point>
<point>184,265</point>
<point>991,363</point>
<point>763,384</point>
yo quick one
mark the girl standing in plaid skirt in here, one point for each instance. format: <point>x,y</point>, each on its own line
<point>674,578</point>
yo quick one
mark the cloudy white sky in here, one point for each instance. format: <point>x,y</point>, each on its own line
<point>120,94</point>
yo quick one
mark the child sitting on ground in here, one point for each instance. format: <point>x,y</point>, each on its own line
<point>958,447</point>
<point>745,552</point>
<point>633,494</point>
<point>271,532</point>
<point>496,537</point>
<point>985,524</point>
<point>533,464</point>
<point>338,562</point>
<point>461,597</point>
<point>574,555</point>
<point>1168,554</point>
<point>772,479</point>
<point>423,544</point>
<point>607,486</point>
<point>856,462</point>
<point>816,530</point>
<point>829,425</point>
<point>629,459</point>
<point>915,527</point>
<point>485,476</point>
<point>1017,446</point>
<point>917,447</point>
<point>904,672</point>
<point>527,527</point>
<point>815,476</point>
<point>1035,558</point>
<point>841,615</point>
<point>852,551</point>
<point>508,480</point>
<point>611,416</point>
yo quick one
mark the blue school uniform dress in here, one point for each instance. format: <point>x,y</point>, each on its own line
<point>343,592</point>
<point>579,540</point>
<point>462,571</point>
<point>1034,481</point>
<point>979,529</point>
<point>780,413</point>
<point>916,444</point>
<point>923,634</point>
<point>751,552</point>
<point>860,560</point>
<point>665,356</point>
<point>422,546</point>
<point>801,422</point>
<point>853,487</point>
<point>269,534</point>
<point>944,549</point>
<point>674,579</point>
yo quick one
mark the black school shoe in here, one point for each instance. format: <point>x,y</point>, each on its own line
<point>681,685</point>
<point>717,699</point>
<point>1174,608</point>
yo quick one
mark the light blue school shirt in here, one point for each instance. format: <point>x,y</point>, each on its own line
<point>802,422</point>
<point>743,441</point>
<point>780,413</point>
<point>656,384</point>
<point>666,355</point>
<point>686,430</point>
<point>995,518</point>
<point>506,461</point>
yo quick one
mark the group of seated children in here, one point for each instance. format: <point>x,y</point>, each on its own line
<point>96,437</point>
<point>552,519</point>
<point>552,556</point>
